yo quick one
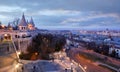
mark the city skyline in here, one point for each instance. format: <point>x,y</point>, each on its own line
<point>91,14</point>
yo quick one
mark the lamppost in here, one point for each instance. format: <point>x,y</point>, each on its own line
<point>71,67</point>
<point>60,57</point>
<point>85,67</point>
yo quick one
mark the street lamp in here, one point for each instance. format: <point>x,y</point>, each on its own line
<point>18,53</point>
<point>85,67</point>
<point>71,67</point>
<point>17,65</point>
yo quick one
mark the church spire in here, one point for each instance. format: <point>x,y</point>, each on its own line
<point>32,22</point>
<point>23,21</point>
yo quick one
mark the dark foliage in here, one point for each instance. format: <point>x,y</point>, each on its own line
<point>45,44</point>
<point>25,56</point>
<point>102,49</point>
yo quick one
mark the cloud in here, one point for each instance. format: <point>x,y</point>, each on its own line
<point>8,13</point>
<point>80,5</point>
<point>59,12</point>
<point>55,12</point>
<point>4,18</point>
<point>91,17</point>
<point>75,13</point>
<point>11,9</point>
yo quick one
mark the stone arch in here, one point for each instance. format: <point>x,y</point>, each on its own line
<point>7,37</point>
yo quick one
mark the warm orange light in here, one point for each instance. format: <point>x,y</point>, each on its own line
<point>5,34</point>
<point>3,26</point>
<point>16,66</point>
<point>85,67</point>
<point>18,53</point>
<point>30,26</point>
<point>36,53</point>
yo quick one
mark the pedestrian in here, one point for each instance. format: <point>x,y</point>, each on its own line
<point>52,59</point>
<point>22,69</point>
<point>34,68</point>
<point>65,70</point>
<point>117,54</point>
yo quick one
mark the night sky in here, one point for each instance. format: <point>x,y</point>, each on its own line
<point>64,14</point>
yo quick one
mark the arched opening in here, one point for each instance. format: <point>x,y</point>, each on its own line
<point>7,37</point>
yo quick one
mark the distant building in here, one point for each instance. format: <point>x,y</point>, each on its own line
<point>116,48</point>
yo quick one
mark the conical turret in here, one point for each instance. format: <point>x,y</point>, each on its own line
<point>23,24</point>
<point>23,21</point>
<point>31,25</point>
<point>32,22</point>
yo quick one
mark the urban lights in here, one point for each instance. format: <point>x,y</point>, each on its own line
<point>71,67</point>
<point>3,26</point>
<point>17,65</point>
<point>18,53</point>
<point>85,67</point>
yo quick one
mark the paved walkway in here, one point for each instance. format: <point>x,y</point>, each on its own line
<point>42,66</point>
<point>62,64</point>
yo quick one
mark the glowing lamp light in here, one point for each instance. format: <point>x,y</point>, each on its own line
<point>36,53</point>
<point>3,26</point>
<point>71,64</point>
<point>85,67</point>
<point>18,53</point>
<point>16,66</point>
<point>5,34</point>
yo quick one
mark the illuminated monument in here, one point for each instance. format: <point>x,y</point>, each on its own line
<point>24,26</point>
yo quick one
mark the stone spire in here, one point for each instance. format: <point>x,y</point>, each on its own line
<point>23,21</point>
<point>32,22</point>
